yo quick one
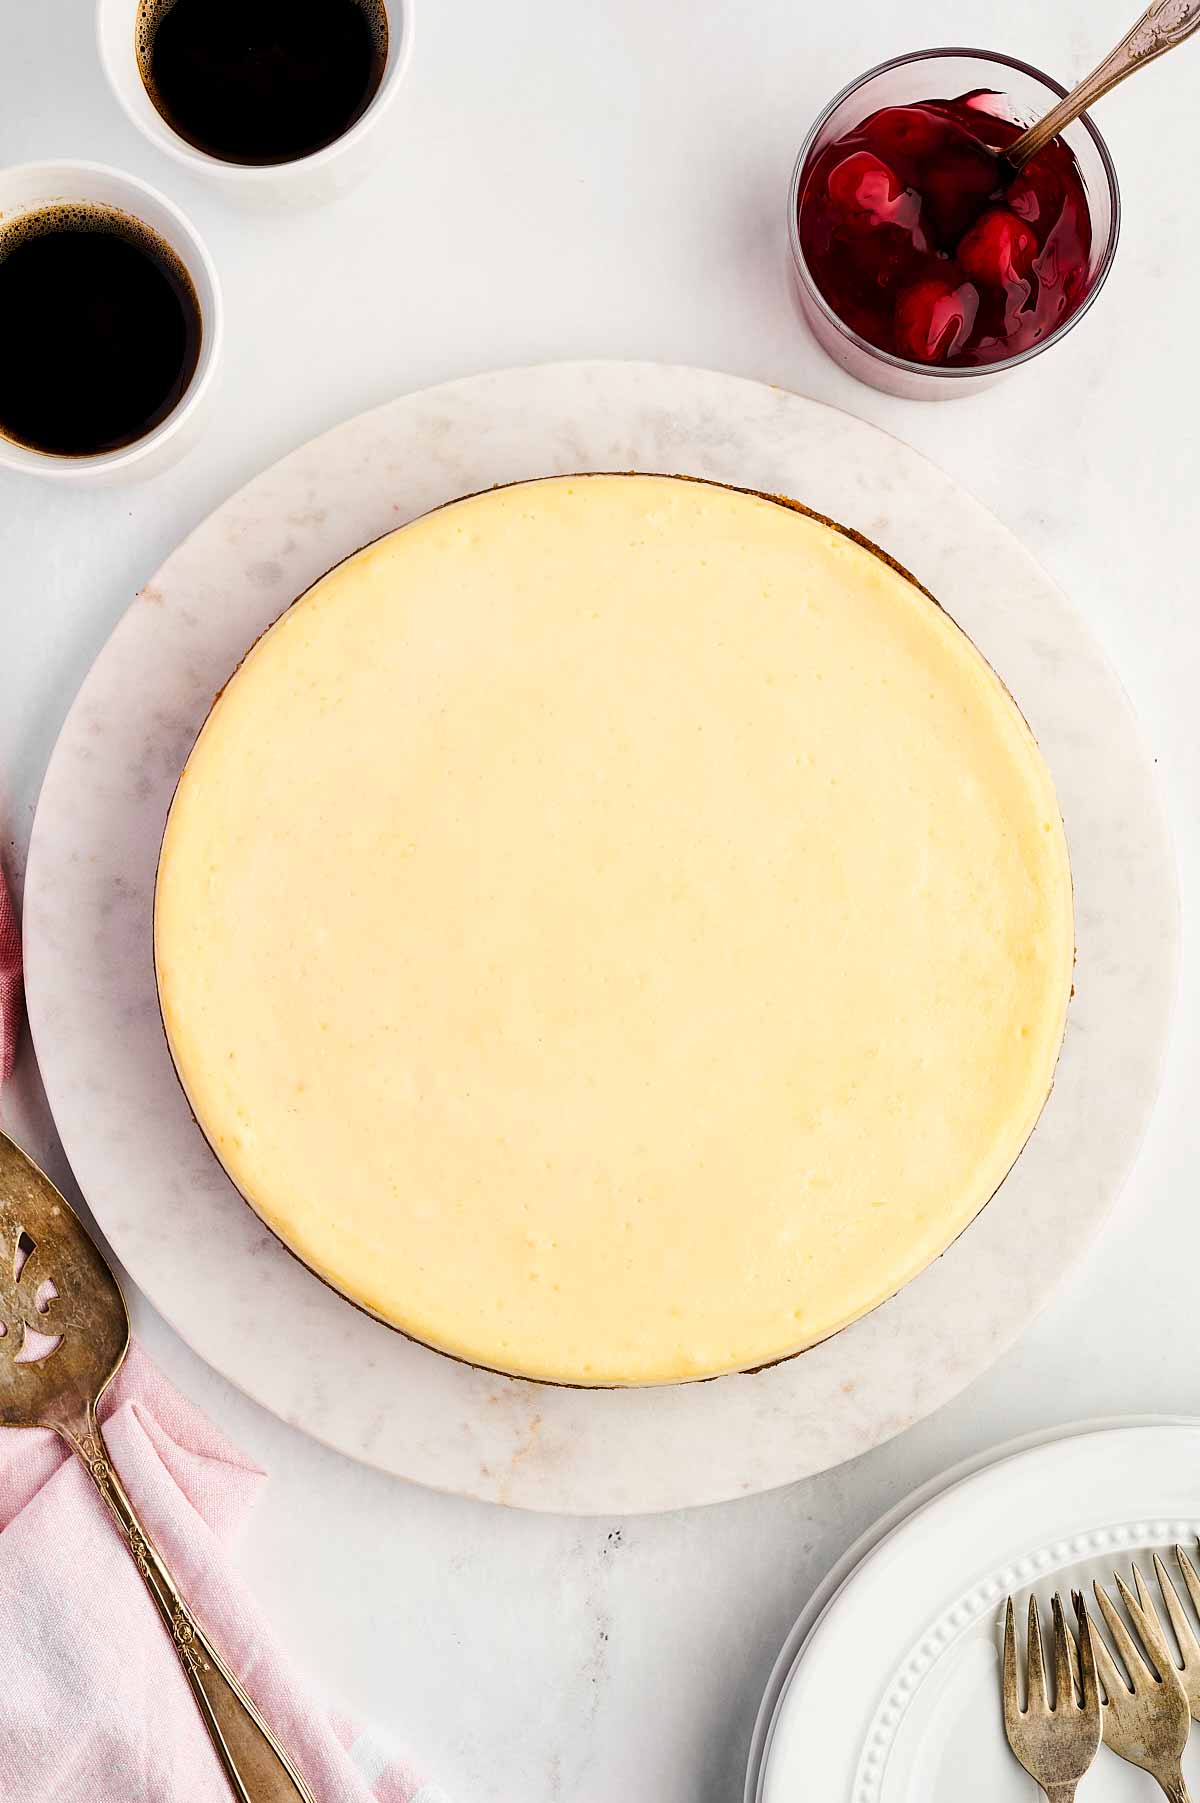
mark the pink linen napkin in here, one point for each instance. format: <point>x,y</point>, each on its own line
<point>95,1708</point>
<point>10,981</point>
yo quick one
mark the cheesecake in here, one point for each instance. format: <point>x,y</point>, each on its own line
<point>616,929</point>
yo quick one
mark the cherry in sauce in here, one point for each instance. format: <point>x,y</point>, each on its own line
<point>927,245</point>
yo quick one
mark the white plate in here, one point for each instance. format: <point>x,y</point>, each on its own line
<point>202,1257</point>
<point>894,1692</point>
<point>834,1580</point>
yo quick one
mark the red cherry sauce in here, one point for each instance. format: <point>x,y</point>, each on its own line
<point>924,242</point>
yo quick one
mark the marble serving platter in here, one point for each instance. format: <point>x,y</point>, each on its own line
<point>205,1261</point>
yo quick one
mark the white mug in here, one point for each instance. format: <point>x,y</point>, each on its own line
<point>315,177</point>
<point>29,187</point>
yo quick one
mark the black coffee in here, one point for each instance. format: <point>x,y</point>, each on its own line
<point>99,330</point>
<point>261,81</point>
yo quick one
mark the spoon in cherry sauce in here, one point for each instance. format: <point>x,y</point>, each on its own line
<point>944,233</point>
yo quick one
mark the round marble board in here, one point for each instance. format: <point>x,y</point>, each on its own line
<point>200,1254</point>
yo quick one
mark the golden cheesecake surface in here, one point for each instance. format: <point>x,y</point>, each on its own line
<point>617,929</point>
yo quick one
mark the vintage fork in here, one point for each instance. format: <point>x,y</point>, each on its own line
<point>1188,1663</point>
<point>64,1331</point>
<point>1146,1717</point>
<point>1056,1743</point>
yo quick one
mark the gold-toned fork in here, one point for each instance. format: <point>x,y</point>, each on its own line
<point>1055,1742</point>
<point>64,1331</point>
<point>1187,1664</point>
<point>1146,1713</point>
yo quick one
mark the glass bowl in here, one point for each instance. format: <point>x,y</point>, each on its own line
<point>943,74</point>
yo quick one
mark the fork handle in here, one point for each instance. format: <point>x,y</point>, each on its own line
<point>257,1767</point>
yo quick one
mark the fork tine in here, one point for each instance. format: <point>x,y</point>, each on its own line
<point>1181,1627</point>
<point>1145,1619</point>
<point>1012,1696</point>
<point>1072,1645</point>
<point>1188,1573</point>
<point>1036,1670</point>
<point>1087,1656</point>
<point>1135,1665</point>
<point>1185,1637</point>
<point>1107,1669</point>
<point>1064,1683</point>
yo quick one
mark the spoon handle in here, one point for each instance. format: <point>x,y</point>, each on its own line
<point>258,1769</point>
<point>1163,25</point>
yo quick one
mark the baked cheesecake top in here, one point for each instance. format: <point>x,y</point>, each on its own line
<point>617,929</point>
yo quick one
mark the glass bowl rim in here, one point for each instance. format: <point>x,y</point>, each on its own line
<point>944,372</point>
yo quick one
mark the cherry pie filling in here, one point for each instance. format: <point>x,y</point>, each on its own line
<point>924,242</point>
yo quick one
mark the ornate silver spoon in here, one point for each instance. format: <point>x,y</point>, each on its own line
<point>1163,25</point>
<point>63,1333</point>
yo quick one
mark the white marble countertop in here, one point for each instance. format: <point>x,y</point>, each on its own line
<point>562,182</point>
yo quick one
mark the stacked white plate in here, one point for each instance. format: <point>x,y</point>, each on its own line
<point>887,1689</point>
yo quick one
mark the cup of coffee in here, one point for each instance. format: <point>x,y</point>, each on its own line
<point>277,99</point>
<point>110,323</point>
